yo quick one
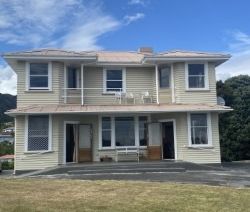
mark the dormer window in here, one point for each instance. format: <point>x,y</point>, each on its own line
<point>38,76</point>
<point>196,76</point>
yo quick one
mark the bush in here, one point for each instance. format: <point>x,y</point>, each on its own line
<point>7,165</point>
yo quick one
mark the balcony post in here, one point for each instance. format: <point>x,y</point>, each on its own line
<point>82,84</point>
<point>157,83</point>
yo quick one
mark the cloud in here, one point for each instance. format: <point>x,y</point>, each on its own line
<point>239,48</point>
<point>8,80</point>
<point>51,23</point>
<point>132,18</point>
<point>134,2</point>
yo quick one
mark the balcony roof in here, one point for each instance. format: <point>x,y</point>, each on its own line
<point>98,109</point>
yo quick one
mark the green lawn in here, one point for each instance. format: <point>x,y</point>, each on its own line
<point>75,195</point>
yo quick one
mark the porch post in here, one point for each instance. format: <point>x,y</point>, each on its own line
<point>82,91</point>
<point>157,83</point>
<point>65,84</point>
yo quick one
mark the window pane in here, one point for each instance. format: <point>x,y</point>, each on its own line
<point>114,74</point>
<point>38,81</point>
<point>198,120</point>
<point>72,78</point>
<point>124,131</point>
<point>114,85</point>
<point>196,69</point>
<point>164,77</point>
<point>106,138</point>
<point>199,135</point>
<point>196,81</point>
<point>143,131</point>
<point>106,123</point>
<point>38,133</point>
<point>38,68</point>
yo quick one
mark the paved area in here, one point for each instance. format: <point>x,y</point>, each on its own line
<point>228,174</point>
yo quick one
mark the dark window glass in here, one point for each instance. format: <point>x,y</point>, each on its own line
<point>199,129</point>
<point>39,75</point>
<point>38,133</point>
<point>106,131</point>
<point>38,81</point>
<point>164,77</point>
<point>38,68</point>
<point>72,78</point>
<point>124,131</point>
<point>196,75</point>
<point>143,131</point>
<point>114,80</point>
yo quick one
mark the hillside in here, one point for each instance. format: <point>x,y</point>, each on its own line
<point>7,102</point>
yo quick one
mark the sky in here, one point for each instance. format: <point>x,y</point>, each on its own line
<point>198,25</point>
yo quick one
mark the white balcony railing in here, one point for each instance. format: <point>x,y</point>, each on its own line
<point>97,96</point>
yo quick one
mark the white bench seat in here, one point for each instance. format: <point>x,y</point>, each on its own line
<point>128,151</point>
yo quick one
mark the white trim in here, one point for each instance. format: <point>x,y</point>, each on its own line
<point>15,121</point>
<point>206,80</point>
<point>172,83</point>
<point>65,83</point>
<point>175,138</point>
<point>157,83</point>
<point>105,69</point>
<point>27,70</point>
<point>209,130</point>
<point>64,137</point>
<point>82,84</point>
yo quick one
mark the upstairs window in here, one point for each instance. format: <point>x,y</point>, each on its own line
<point>39,76</point>
<point>199,129</point>
<point>114,80</point>
<point>73,77</point>
<point>38,133</point>
<point>196,76</point>
<point>164,77</point>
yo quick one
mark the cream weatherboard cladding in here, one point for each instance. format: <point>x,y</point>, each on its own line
<point>184,96</point>
<point>25,97</point>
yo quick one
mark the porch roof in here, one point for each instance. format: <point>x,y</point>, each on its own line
<point>88,109</point>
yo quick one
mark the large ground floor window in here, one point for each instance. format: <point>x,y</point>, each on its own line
<point>124,131</point>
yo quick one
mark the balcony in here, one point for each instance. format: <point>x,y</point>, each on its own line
<point>97,96</point>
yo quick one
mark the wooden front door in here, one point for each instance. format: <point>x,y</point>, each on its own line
<point>85,143</point>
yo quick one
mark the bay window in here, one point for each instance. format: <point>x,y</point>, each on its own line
<point>123,131</point>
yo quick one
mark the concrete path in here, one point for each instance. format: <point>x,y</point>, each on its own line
<point>229,174</point>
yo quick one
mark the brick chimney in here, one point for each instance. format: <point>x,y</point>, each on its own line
<point>145,50</point>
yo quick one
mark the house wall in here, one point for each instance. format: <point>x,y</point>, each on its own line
<point>193,97</point>
<point>185,153</point>
<point>29,161</point>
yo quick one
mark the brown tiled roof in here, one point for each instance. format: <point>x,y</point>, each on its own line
<point>154,108</point>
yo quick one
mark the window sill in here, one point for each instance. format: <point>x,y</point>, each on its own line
<point>38,152</point>
<point>200,147</point>
<point>198,90</point>
<point>38,91</point>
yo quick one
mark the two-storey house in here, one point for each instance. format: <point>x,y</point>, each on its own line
<point>101,105</point>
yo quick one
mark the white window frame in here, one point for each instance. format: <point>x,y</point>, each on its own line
<point>28,88</point>
<point>49,136</point>
<point>136,128</point>
<point>105,79</point>
<point>209,130</point>
<point>206,83</point>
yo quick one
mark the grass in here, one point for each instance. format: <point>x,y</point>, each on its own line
<point>75,195</point>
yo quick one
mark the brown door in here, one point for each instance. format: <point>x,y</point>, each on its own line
<point>85,143</point>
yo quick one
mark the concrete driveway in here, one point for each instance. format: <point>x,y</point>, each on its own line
<point>228,174</point>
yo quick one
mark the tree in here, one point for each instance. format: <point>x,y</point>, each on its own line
<point>235,125</point>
